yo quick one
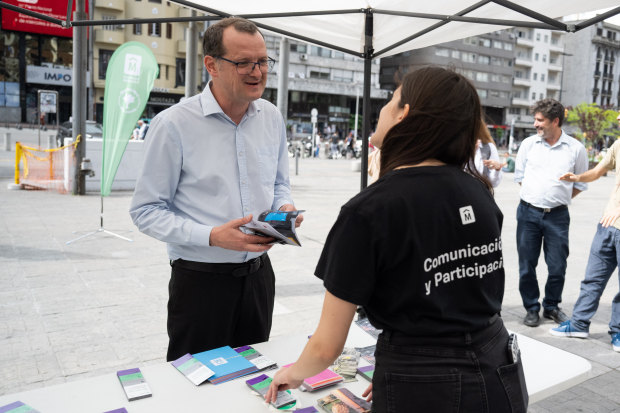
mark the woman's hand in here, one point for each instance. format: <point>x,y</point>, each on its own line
<point>281,382</point>
<point>491,164</point>
<point>478,144</point>
<point>569,177</point>
<point>610,218</point>
<point>368,392</point>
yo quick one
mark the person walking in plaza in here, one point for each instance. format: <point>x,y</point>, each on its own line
<point>334,145</point>
<point>603,259</point>
<point>420,250</point>
<point>486,159</point>
<point>215,160</point>
<point>542,215</point>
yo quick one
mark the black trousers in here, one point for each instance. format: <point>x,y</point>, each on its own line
<point>460,373</point>
<point>209,310</point>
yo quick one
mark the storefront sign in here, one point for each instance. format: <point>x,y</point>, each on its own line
<point>49,76</point>
<point>53,8</point>
<point>164,98</point>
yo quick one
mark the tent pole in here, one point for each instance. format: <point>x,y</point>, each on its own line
<point>79,102</point>
<point>69,8</point>
<point>368,50</point>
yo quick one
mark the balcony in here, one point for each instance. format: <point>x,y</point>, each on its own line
<point>521,81</point>
<point>520,102</point>
<point>556,47</point>
<point>116,37</point>
<point>522,61</point>
<point>595,91</point>
<point>184,12</point>
<point>554,67</point>
<point>522,41</point>
<point>553,86</point>
<point>606,93</point>
<point>117,5</point>
<point>597,74</point>
<point>605,41</point>
<point>608,76</point>
<point>599,57</point>
<point>181,46</point>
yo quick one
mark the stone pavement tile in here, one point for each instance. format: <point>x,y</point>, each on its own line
<point>51,280</point>
<point>74,320</point>
<point>12,298</point>
<point>84,336</point>
<point>54,268</point>
<point>17,326</point>
<point>103,274</point>
<point>93,358</point>
<point>129,311</point>
<point>142,327</point>
<point>152,347</point>
<point>118,291</point>
<point>56,299</point>
<point>12,282</point>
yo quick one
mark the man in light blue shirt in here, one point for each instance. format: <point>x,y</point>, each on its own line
<point>211,163</point>
<point>542,216</point>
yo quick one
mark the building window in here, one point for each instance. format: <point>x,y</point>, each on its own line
<point>551,79</point>
<point>482,77</point>
<point>320,51</point>
<point>546,39</point>
<point>514,111</point>
<point>484,42</point>
<point>469,74</point>
<point>442,52</point>
<point>137,29</point>
<point>482,93</point>
<point>471,40</point>
<point>495,78</point>
<point>270,42</point>
<point>494,94</point>
<point>469,57</point>
<point>504,95</point>
<point>535,77</point>
<point>155,1</point>
<point>542,77</point>
<point>540,96</point>
<point>405,54</point>
<point>316,72</point>
<point>498,45</point>
<point>168,31</point>
<point>167,72</point>
<point>518,74</point>
<point>533,96</point>
<point>158,71</point>
<point>536,57</point>
<point>508,46</point>
<point>599,32</point>
<point>104,59</point>
<point>108,26</point>
<point>180,75</point>
<point>516,94</point>
<point>555,41</point>
<point>545,58</point>
<point>456,54</point>
<point>342,75</point>
<point>538,37</point>
<point>155,29</point>
<point>387,71</point>
<point>339,55</point>
<point>484,60</point>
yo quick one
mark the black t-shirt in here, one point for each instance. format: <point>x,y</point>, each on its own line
<point>420,249</point>
<point>335,139</point>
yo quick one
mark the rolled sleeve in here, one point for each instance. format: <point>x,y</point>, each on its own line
<point>282,185</point>
<point>520,163</point>
<point>155,189</point>
<point>581,166</point>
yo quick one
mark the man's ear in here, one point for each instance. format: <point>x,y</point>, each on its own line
<point>211,66</point>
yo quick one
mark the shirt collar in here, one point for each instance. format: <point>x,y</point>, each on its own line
<point>210,105</point>
<point>564,138</point>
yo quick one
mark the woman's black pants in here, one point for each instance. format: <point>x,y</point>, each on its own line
<point>470,372</point>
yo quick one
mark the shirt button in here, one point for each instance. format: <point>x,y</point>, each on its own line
<point>247,209</point>
<point>243,182</point>
<point>240,153</point>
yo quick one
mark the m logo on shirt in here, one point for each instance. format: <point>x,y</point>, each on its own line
<point>467,215</point>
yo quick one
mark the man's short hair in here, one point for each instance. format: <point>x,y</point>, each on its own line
<point>550,109</point>
<point>213,39</point>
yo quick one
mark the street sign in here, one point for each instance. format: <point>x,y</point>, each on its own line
<point>48,101</point>
<point>313,119</point>
<point>314,113</point>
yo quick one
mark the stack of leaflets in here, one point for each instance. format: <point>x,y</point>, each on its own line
<point>346,364</point>
<point>367,372</point>
<point>134,384</point>
<point>226,364</point>
<point>260,385</point>
<point>365,325</point>
<point>17,407</point>
<point>276,224</point>
<point>261,362</point>
<point>343,401</point>
<point>121,410</point>
<point>325,379</point>
<point>310,409</point>
<point>191,368</point>
<point>367,353</point>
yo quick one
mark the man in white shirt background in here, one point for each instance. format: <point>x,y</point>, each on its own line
<point>542,216</point>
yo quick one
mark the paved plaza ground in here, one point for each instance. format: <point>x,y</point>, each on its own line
<point>68,312</point>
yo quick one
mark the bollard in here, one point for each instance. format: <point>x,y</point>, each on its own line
<point>297,147</point>
<point>356,166</point>
<point>51,141</point>
<point>7,142</point>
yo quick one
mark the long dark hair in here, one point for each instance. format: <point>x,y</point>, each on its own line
<point>444,122</point>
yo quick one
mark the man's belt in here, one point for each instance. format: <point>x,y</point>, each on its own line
<point>236,270</point>
<point>527,204</point>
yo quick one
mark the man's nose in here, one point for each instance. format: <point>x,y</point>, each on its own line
<point>256,68</point>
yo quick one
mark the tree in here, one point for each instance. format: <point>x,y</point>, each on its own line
<point>594,121</point>
<point>359,123</point>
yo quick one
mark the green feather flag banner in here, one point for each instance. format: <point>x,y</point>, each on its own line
<point>129,79</point>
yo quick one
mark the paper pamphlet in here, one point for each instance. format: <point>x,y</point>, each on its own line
<point>343,401</point>
<point>17,407</point>
<point>365,325</point>
<point>226,363</point>
<point>260,384</point>
<point>191,368</point>
<point>134,384</point>
<point>276,224</point>
<point>261,362</point>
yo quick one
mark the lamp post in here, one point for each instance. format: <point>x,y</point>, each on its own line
<point>562,75</point>
<point>357,104</point>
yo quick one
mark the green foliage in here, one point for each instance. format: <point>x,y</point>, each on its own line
<point>499,133</point>
<point>359,123</point>
<point>594,121</point>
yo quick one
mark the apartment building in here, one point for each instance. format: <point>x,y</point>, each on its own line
<point>324,79</point>
<point>487,60</point>
<point>590,75</point>
<point>539,60</point>
<point>167,41</point>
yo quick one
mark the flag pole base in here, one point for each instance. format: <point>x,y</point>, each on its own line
<point>100,231</point>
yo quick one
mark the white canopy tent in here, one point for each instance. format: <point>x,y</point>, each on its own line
<point>370,29</point>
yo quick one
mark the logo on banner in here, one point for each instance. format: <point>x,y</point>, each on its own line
<point>128,100</point>
<point>133,63</point>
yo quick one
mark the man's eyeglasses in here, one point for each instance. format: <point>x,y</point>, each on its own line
<point>245,68</point>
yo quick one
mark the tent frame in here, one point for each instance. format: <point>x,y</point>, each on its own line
<point>368,54</point>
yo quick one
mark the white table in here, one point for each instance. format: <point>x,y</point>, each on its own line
<point>548,371</point>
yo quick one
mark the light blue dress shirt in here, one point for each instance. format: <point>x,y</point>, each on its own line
<point>200,170</point>
<point>539,165</point>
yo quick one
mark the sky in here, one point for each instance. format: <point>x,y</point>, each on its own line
<point>584,16</point>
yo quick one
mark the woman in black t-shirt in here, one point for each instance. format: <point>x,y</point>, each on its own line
<point>420,250</point>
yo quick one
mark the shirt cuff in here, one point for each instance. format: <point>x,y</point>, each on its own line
<point>200,235</point>
<point>278,203</point>
<point>580,186</point>
<point>518,179</point>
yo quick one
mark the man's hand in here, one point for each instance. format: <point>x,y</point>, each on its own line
<point>569,177</point>
<point>368,392</point>
<point>610,218</point>
<point>289,207</point>
<point>230,237</point>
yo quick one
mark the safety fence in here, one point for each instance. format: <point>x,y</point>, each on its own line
<point>51,169</point>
